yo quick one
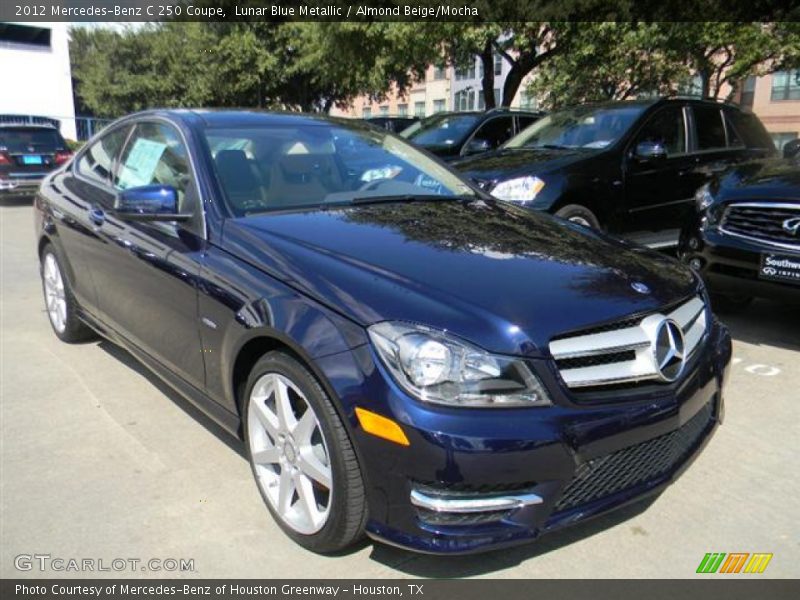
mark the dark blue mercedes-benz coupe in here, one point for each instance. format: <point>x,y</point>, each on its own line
<point>402,354</point>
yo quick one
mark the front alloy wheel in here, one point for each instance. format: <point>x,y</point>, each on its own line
<point>301,455</point>
<point>290,455</point>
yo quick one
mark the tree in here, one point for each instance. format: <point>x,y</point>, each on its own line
<point>727,53</point>
<point>120,72</point>
<point>525,46</point>
<point>611,61</point>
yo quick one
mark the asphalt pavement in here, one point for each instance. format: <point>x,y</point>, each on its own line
<point>101,462</point>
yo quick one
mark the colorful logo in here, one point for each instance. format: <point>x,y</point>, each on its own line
<point>736,562</point>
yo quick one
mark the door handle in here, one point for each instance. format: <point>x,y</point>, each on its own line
<point>97,216</point>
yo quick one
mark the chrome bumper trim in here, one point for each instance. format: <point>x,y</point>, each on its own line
<point>460,504</point>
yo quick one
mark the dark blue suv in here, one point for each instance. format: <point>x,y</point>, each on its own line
<point>402,354</point>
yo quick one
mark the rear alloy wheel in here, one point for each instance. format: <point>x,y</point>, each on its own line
<point>62,309</point>
<point>579,214</point>
<point>301,456</point>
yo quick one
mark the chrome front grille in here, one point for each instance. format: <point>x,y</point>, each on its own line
<point>762,221</point>
<point>627,354</point>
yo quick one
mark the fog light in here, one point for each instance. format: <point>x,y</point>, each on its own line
<point>696,264</point>
<point>694,243</point>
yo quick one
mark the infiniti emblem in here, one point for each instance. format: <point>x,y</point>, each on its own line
<point>792,226</point>
<point>640,287</point>
<point>669,349</point>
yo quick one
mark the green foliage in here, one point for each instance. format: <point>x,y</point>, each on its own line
<point>292,65</point>
<point>316,65</point>
<point>611,61</point>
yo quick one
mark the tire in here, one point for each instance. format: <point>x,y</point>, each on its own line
<point>331,512</point>
<point>724,303</point>
<point>60,304</point>
<point>578,214</point>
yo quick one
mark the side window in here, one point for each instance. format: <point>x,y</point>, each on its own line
<point>710,130</point>
<point>734,139</point>
<point>156,154</point>
<point>666,127</point>
<point>525,121</point>
<point>97,162</point>
<point>750,129</point>
<point>496,131</point>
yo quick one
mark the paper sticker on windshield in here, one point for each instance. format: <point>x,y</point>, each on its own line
<point>141,163</point>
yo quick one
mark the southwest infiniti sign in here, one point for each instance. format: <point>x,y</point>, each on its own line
<point>780,267</point>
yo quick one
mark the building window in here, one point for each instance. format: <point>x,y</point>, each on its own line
<point>402,110</point>
<point>498,64</point>
<point>366,112</point>
<point>438,106</point>
<point>497,97</point>
<point>419,109</point>
<point>693,88</point>
<point>528,101</point>
<point>438,72</point>
<point>748,92</point>
<point>384,110</point>
<point>464,100</point>
<point>786,85</point>
<point>466,71</point>
<point>781,139</point>
<point>481,100</point>
<point>25,34</point>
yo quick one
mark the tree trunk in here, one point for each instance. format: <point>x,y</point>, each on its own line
<point>487,83</point>
<point>513,81</point>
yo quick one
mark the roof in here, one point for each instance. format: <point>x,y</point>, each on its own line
<point>234,117</point>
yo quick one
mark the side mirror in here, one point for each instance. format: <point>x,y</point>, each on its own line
<point>476,145</point>
<point>650,151</point>
<point>149,203</point>
<point>791,149</point>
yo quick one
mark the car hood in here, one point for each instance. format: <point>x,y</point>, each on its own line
<point>770,179</point>
<point>502,277</point>
<point>508,163</point>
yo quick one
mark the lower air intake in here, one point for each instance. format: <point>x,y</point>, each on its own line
<point>634,465</point>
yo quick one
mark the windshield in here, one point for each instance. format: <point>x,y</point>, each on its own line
<point>580,127</point>
<point>298,166</point>
<point>441,130</point>
<point>30,139</point>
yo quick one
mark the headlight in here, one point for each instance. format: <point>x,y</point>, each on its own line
<point>703,198</point>
<point>521,189</point>
<point>438,368</point>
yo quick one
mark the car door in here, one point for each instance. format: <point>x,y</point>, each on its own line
<point>75,194</point>
<point>146,279</point>
<point>658,190</point>
<point>715,147</point>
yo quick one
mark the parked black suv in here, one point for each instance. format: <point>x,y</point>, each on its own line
<point>28,152</point>
<point>451,135</point>
<point>745,237</point>
<point>628,167</point>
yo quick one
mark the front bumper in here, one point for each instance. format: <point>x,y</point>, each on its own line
<point>730,265</point>
<point>545,467</point>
